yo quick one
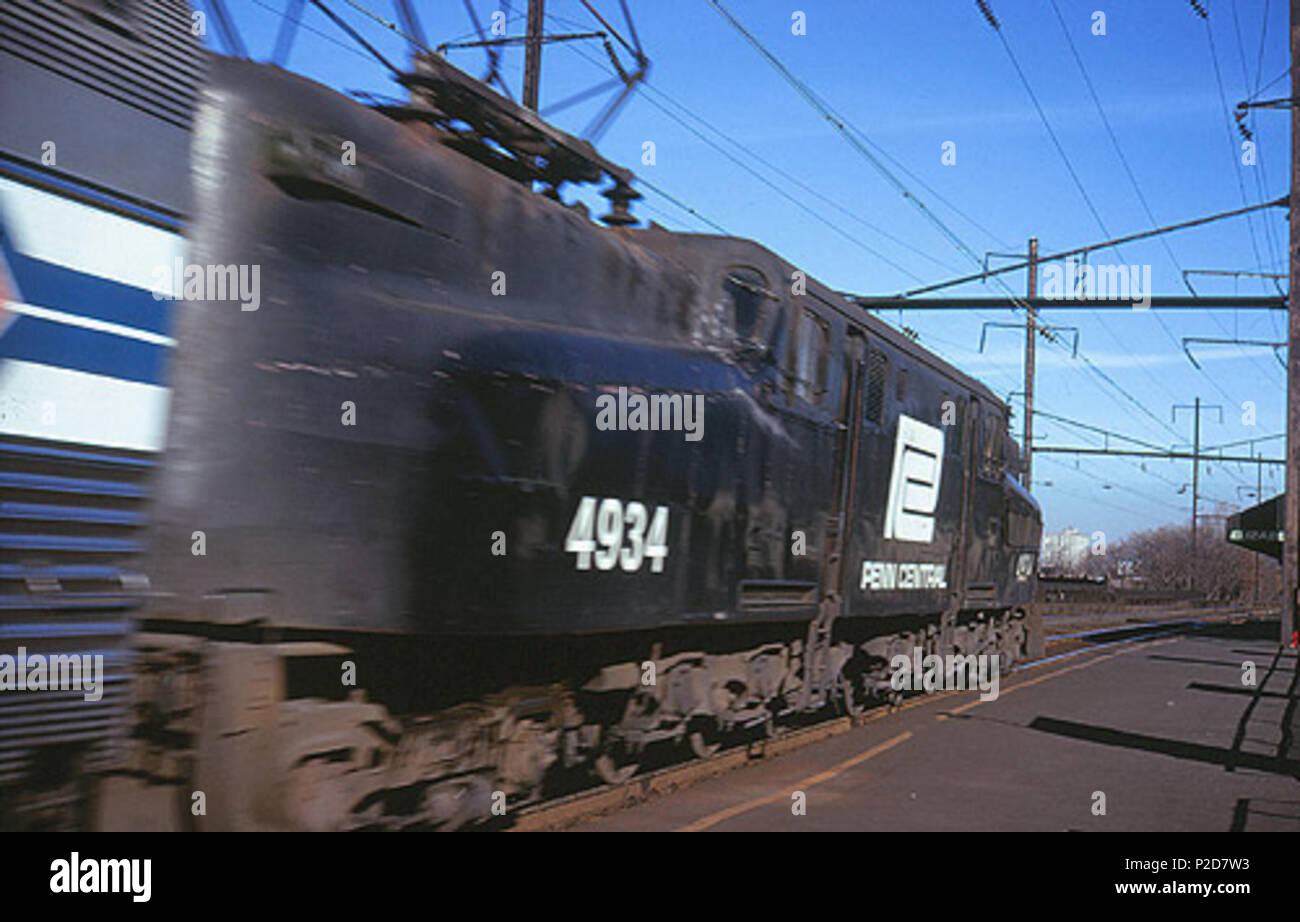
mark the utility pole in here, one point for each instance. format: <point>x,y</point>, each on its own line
<point>1030,316</point>
<point>1196,457</point>
<point>1259,498</point>
<point>1291,522</point>
<point>1196,477</point>
<point>533,53</point>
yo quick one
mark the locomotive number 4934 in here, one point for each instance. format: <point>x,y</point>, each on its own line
<point>612,532</point>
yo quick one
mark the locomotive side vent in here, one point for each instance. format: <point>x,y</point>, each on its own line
<point>70,521</point>
<point>138,55</point>
<point>877,374</point>
<point>771,593</point>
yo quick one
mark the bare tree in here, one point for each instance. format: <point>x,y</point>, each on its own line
<point>1162,559</point>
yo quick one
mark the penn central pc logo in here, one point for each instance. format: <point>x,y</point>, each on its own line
<point>914,482</point>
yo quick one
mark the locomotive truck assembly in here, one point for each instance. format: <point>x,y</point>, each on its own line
<point>365,557</point>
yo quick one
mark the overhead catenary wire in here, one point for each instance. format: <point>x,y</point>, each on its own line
<point>651,91</point>
<point>1227,126</point>
<point>829,115</point>
<point>1092,433</point>
<point>853,135</point>
<point>1142,199</point>
<point>298,23</point>
<point>1260,178</point>
<point>1123,160</point>
<point>803,206</point>
<point>1082,189</point>
<point>1165,504</point>
<point>1232,146</point>
<point>682,205</point>
<point>1259,57</point>
<point>1051,133</point>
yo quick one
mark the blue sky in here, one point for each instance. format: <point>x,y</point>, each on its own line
<point>911,75</point>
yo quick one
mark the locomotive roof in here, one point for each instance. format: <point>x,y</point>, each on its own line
<point>712,254</point>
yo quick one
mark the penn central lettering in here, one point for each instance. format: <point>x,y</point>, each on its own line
<point>880,575</point>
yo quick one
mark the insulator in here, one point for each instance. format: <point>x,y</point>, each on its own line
<point>620,196</point>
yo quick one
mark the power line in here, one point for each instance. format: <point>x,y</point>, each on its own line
<point>1110,131</point>
<point>1232,147</point>
<point>1147,497</point>
<point>298,23</point>
<point>1227,126</point>
<point>1124,160</point>
<point>1114,140</point>
<point>1092,432</point>
<point>789,177</point>
<point>682,205</point>
<point>1033,97</point>
<point>1260,90</point>
<point>852,136</point>
<point>803,206</point>
<point>1259,58</point>
<point>1245,85</point>
<point>829,115</point>
<point>1070,166</point>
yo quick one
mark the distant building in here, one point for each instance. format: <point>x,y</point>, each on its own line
<point>1065,553</point>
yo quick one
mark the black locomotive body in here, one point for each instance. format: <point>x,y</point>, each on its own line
<point>425,371</point>
<point>550,493</point>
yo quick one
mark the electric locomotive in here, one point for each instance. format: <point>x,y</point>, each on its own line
<point>466,498</point>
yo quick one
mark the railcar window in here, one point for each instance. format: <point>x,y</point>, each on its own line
<point>877,374</point>
<point>1011,455</point>
<point>747,290</point>
<point>810,363</point>
<point>992,460</point>
<point>901,386</point>
<point>1020,528</point>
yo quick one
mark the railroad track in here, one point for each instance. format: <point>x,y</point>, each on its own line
<point>563,812</point>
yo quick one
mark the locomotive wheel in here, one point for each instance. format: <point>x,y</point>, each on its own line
<point>846,702</point>
<point>312,797</point>
<point>705,739</point>
<point>616,763</point>
<point>1013,640</point>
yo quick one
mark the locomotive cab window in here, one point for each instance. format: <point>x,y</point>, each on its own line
<point>812,343</point>
<point>747,292</point>
<point>1011,456</point>
<point>991,457</point>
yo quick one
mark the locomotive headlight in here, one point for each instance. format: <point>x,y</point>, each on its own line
<point>1024,566</point>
